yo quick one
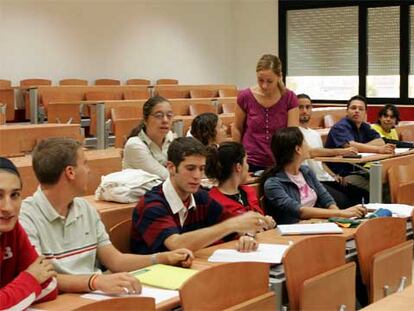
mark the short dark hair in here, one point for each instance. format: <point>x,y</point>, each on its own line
<point>357,97</point>
<point>302,95</point>
<point>204,126</point>
<point>393,109</point>
<point>184,147</point>
<point>221,160</point>
<point>51,156</point>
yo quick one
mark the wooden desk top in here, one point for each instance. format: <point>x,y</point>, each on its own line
<point>25,127</point>
<point>91,155</point>
<point>70,301</point>
<point>269,237</point>
<point>376,157</point>
<point>398,301</point>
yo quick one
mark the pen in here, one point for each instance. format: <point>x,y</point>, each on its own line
<point>362,202</point>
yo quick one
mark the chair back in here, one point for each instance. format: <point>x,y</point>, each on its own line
<point>374,236</point>
<point>167,81</point>
<point>127,303</point>
<point>5,83</point>
<point>107,82</point>
<point>309,258</point>
<point>120,235</point>
<point>401,183</point>
<point>199,108</point>
<point>228,92</point>
<point>391,270</point>
<point>136,94</point>
<point>35,82</point>
<point>73,82</point>
<point>338,284</point>
<point>203,93</point>
<point>102,95</point>
<point>172,93</point>
<point>226,285</point>
<point>138,82</point>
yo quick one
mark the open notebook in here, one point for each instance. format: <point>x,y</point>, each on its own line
<point>320,228</point>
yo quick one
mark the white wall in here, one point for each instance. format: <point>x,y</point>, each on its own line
<point>199,41</point>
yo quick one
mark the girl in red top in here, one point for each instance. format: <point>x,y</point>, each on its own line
<point>228,165</point>
<point>24,276</point>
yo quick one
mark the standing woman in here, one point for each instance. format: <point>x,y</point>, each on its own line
<point>24,276</point>
<point>147,145</point>
<point>262,110</point>
<point>291,190</point>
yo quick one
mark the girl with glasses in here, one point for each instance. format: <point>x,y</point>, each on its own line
<point>147,145</point>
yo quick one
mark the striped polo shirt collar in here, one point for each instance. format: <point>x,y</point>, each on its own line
<point>50,213</point>
<point>175,202</point>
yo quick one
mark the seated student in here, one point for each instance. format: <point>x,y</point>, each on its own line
<point>209,129</point>
<point>147,145</point>
<point>292,191</point>
<point>178,213</point>
<point>388,118</point>
<point>68,231</point>
<point>353,131</point>
<point>344,194</point>
<point>25,277</point>
<point>228,165</point>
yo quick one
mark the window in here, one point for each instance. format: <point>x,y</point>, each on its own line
<point>322,45</point>
<point>383,78</point>
<point>411,74</point>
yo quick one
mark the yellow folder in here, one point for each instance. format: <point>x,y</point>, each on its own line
<point>163,276</point>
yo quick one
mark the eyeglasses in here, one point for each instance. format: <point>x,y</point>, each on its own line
<point>160,115</point>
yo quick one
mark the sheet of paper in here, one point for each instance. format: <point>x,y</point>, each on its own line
<point>366,154</point>
<point>296,229</point>
<point>160,295</point>
<point>398,210</point>
<point>401,150</point>
<point>269,253</point>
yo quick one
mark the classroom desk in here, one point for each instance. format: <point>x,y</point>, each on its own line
<point>398,301</point>
<point>70,301</point>
<point>378,169</point>
<point>17,139</point>
<point>101,162</point>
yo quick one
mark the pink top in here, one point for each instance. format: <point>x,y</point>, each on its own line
<point>261,123</point>
<point>308,196</point>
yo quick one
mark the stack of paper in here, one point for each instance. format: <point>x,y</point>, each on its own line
<point>269,253</point>
<point>398,210</point>
<point>163,276</point>
<point>326,227</point>
<point>159,295</point>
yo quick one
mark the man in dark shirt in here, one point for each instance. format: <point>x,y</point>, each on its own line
<point>179,214</point>
<point>353,131</point>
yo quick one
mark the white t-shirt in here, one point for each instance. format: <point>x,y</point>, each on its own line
<point>314,140</point>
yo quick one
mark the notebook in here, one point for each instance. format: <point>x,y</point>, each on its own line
<point>320,228</point>
<point>269,253</point>
<point>163,276</point>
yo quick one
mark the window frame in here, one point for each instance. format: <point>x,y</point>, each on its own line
<point>286,5</point>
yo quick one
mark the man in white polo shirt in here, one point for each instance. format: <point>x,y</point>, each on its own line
<point>68,231</point>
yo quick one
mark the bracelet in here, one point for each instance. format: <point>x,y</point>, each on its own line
<point>154,259</point>
<point>91,281</point>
